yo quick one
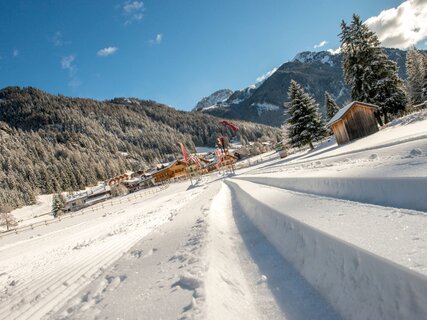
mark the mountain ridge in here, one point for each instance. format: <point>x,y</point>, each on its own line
<point>317,72</point>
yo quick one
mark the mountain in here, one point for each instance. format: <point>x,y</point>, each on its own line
<point>215,98</point>
<point>317,72</point>
<point>51,143</point>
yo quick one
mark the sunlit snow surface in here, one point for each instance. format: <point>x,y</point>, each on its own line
<point>322,234</point>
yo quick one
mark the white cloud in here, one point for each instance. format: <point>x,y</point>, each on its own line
<point>133,6</point>
<point>106,51</point>
<point>403,26</point>
<point>58,40</point>
<point>321,44</point>
<point>266,75</point>
<point>15,53</point>
<point>133,11</point>
<point>159,37</point>
<point>67,63</point>
<point>334,51</point>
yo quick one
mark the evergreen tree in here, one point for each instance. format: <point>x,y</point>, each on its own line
<point>6,218</point>
<point>424,82</point>
<point>58,203</point>
<point>416,73</point>
<point>330,106</point>
<point>372,76</point>
<point>305,124</point>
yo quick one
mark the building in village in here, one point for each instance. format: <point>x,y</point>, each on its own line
<point>139,182</point>
<point>83,199</point>
<point>117,180</point>
<point>354,121</point>
<point>175,170</point>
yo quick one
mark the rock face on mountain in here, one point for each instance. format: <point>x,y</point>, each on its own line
<point>215,98</point>
<point>317,72</point>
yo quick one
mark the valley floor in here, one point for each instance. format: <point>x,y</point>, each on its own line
<point>333,233</point>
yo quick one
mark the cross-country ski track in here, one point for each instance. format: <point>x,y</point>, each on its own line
<point>335,233</point>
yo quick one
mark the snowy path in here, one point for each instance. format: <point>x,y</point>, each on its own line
<point>159,278</point>
<point>39,273</point>
<point>247,277</point>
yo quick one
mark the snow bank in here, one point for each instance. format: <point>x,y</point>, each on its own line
<point>399,192</point>
<point>358,284</point>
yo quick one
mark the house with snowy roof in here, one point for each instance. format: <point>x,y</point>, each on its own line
<point>354,121</point>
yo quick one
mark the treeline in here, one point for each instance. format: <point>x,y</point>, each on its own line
<point>53,143</point>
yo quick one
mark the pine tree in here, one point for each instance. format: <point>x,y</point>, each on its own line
<point>305,124</point>
<point>372,76</point>
<point>58,203</point>
<point>6,218</point>
<point>330,106</point>
<point>416,73</point>
<point>424,82</point>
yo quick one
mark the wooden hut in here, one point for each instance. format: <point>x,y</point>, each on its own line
<point>354,121</point>
<point>176,169</point>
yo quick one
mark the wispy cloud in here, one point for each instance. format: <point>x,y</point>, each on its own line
<point>402,26</point>
<point>58,40</point>
<point>320,44</point>
<point>133,11</point>
<point>133,6</point>
<point>15,53</point>
<point>159,37</point>
<point>265,75</point>
<point>157,40</point>
<point>106,51</point>
<point>68,63</point>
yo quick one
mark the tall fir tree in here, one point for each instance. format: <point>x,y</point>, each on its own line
<point>372,76</point>
<point>330,106</point>
<point>415,75</point>
<point>424,86</point>
<point>58,203</point>
<point>304,124</point>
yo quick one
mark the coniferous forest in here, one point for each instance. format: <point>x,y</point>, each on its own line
<point>51,143</point>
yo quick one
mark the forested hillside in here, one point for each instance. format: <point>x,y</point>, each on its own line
<point>50,143</point>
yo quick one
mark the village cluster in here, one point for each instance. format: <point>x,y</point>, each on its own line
<point>189,167</point>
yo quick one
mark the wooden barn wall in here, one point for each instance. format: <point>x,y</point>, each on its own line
<point>340,132</point>
<point>360,122</point>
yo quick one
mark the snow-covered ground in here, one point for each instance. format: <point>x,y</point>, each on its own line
<point>332,233</point>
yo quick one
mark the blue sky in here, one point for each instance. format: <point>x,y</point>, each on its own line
<point>171,51</point>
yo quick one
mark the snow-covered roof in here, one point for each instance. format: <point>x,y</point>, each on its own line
<point>344,110</point>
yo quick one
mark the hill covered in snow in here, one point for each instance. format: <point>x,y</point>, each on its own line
<point>51,143</point>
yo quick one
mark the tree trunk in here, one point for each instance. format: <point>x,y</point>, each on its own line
<point>311,145</point>
<point>385,118</point>
<point>378,117</point>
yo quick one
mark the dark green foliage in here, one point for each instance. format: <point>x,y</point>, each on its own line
<point>304,123</point>
<point>52,143</point>
<point>330,106</point>
<point>373,78</point>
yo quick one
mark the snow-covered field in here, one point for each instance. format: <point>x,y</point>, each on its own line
<point>332,233</point>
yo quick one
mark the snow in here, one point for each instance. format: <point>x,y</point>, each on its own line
<point>338,232</point>
<point>263,107</point>
<point>204,150</point>
<point>309,56</point>
<point>34,213</point>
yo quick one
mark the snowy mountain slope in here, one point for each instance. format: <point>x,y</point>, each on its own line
<point>242,246</point>
<point>215,98</point>
<point>317,72</point>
